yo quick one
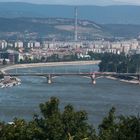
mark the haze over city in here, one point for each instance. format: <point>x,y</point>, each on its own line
<point>80,2</point>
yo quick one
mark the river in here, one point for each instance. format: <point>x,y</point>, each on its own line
<point>22,101</point>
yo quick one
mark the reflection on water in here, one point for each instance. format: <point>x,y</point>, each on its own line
<point>22,101</point>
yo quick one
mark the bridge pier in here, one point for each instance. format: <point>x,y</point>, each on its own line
<point>93,79</point>
<point>49,79</point>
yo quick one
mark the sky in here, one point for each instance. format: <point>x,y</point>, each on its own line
<point>79,2</point>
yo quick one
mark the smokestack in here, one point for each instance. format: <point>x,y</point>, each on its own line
<point>75,27</point>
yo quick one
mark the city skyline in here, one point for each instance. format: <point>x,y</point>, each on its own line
<point>80,2</point>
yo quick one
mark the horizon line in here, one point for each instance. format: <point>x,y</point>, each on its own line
<point>103,5</point>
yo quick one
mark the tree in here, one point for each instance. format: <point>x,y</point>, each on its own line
<point>15,131</point>
<point>63,125</point>
<point>69,124</point>
<point>108,126</point>
<point>4,62</point>
<point>128,128</point>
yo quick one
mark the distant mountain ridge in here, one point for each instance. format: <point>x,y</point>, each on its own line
<point>63,29</point>
<point>49,28</point>
<point>125,14</point>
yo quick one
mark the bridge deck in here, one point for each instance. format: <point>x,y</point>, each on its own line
<point>72,74</point>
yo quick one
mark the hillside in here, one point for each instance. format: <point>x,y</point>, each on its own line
<point>123,30</point>
<point>99,14</point>
<point>49,28</point>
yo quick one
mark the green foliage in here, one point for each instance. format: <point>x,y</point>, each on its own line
<point>117,63</point>
<point>4,62</point>
<point>119,128</point>
<point>129,128</point>
<point>108,126</point>
<point>70,125</point>
<point>63,125</point>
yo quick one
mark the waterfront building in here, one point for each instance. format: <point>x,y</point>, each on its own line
<point>115,45</point>
<point>37,44</point>
<point>30,44</point>
<point>18,44</point>
<point>3,44</point>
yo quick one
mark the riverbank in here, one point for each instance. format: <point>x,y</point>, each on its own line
<point>133,81</point>
<point>73,63</point>
<point>9,82</point>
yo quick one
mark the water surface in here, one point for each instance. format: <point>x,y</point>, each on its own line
<point>22,101</point>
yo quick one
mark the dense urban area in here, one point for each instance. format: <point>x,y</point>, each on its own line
<point>13,52</point>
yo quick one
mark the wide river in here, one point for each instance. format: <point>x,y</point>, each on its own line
<point>22,101</point>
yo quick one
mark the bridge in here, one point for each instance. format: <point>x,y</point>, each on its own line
<point>92,75</point>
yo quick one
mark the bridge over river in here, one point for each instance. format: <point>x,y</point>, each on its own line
<point>92,75</point>
<point>51,75</point>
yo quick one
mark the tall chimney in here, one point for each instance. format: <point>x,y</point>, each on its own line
<point>75,27</point>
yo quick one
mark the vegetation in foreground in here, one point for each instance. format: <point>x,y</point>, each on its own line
<point>70,125</point>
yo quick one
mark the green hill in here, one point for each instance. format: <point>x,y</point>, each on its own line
<point>49,28</point>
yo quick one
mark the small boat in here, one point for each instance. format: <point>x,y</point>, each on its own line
<point>10,84</point>
<point>2,86</point>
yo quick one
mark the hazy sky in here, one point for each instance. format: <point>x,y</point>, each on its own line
<point>79,2</point>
